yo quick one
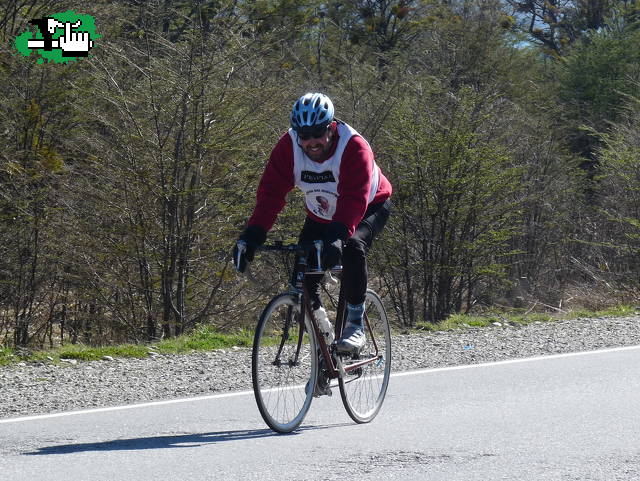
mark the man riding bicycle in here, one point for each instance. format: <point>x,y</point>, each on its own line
<point>347,200</point>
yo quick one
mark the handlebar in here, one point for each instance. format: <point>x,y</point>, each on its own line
<point>297,248</point>
<point>279,246</point>
<point>301,249</point>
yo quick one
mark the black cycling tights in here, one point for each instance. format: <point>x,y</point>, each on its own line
<point>354,252</point>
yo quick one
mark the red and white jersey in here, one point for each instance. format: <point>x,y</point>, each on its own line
<point>319,180</point>
<point>337,189</point>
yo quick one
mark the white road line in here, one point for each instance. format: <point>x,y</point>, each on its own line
<point>246,393</point>
<point>122,408</point>
<point>515,361</point>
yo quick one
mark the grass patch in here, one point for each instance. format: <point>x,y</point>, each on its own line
<point>81,352</point>
<point>6,356</point>
<point>204,338</point>
<point>616,311</point>
<point>466,321</point>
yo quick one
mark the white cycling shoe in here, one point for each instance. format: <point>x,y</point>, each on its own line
<point>352,340</point>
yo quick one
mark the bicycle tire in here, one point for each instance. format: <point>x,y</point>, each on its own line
<point>280,381</point>
<point>364,390</point>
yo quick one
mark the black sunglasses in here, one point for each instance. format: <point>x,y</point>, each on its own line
<point>312,135</point>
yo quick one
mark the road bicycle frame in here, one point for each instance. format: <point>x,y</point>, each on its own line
<point>333,365</point>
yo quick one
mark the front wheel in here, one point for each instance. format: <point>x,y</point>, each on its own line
<point>283,364</point>
<point>363,389</point>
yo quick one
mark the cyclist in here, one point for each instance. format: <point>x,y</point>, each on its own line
<point>347,201</point>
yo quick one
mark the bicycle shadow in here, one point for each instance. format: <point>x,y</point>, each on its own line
<point>171,441</point>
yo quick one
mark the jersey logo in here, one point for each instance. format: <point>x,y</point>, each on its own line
<point>317,177</point>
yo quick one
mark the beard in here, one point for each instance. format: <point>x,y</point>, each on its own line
<point>317,154</point>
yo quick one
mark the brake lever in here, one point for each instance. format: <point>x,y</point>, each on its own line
<point>242,247</point>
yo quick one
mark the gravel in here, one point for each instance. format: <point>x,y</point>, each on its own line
<point>42,388</point>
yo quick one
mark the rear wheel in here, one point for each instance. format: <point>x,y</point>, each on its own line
<point>363,390</point>
<point>284,364</point>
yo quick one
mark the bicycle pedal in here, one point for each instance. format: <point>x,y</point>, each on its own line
<point>322,392</point>
<point>323,385</point>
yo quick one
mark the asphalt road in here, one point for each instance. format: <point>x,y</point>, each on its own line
<point>563,418</point>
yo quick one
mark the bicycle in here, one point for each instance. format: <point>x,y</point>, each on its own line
<point>291,362</point>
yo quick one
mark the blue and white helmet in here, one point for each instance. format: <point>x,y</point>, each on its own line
<point>312,111</point>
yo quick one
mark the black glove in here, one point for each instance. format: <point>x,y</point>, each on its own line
<point>334,237</point>
<point>253,236</point>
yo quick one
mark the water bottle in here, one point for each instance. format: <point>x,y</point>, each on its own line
<point>324,324</point>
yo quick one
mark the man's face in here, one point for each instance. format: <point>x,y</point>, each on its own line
<point>316,148</point>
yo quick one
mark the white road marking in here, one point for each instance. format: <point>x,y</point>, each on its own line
<point>516,361</point>
<point>246,393</point>
<point>122,408</point>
